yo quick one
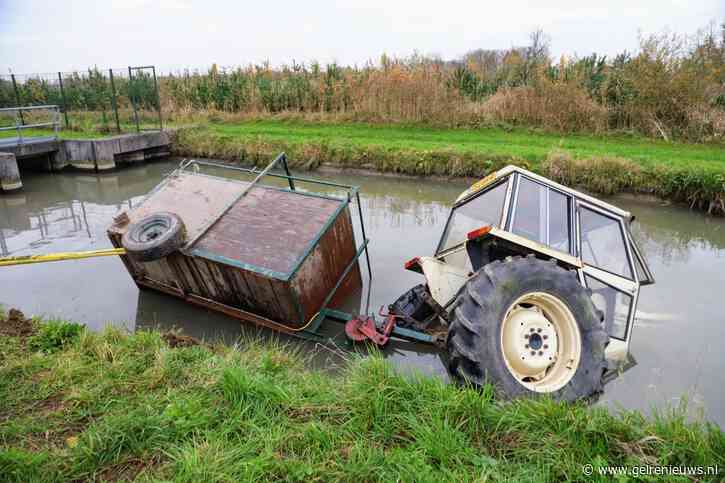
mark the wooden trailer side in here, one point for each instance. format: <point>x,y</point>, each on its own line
<point>319,272</point>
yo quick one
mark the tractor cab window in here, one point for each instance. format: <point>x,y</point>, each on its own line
<point>484,209</point>
<point>541,214</point>
<point>603,243</point>
<point>614,304</point>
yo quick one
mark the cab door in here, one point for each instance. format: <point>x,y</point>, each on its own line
<point>608,270</point>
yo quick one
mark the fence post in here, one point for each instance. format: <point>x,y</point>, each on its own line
<point>17,98</point>
<point>133,100</point>
<point>158,98</point>
<point>56,122</point>
<point>113,100</point>
<point>62,96</point>
<point>19,125</point>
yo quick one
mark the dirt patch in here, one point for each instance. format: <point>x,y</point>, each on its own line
<point>503,445</point>
<point>129,469</point>
<point>51,404</point>
<point>179,340</point>
<point>15,324</point>
<point>61,435</point>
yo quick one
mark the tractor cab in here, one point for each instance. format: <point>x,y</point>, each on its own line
<point>516,214</point>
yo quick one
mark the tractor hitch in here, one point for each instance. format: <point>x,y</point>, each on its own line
<point>365,327</point>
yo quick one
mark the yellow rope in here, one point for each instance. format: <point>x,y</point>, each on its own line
<point>56,257</point>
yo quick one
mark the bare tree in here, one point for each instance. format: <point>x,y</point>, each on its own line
<point>535,54</point>
<point>538,48</point>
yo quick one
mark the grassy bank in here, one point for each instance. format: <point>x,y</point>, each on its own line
<point>691,173</point>
<point>147,406</point>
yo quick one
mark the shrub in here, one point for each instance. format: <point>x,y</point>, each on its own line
<point>54,335</point>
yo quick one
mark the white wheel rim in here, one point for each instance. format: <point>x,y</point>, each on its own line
<point>541,342</point>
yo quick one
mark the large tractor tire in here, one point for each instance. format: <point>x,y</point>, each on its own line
<point>528,327</point>
<point>154,237</point>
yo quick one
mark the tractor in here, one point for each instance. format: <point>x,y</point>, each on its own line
<point>533,285</point>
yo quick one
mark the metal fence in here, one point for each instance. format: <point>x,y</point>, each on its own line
<point>112,100</point>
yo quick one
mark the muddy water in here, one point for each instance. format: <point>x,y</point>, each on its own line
<point>677,342</point>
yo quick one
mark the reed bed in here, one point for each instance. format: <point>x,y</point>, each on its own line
<point>671,87</point>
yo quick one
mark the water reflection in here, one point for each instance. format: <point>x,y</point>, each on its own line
<point>679,321</point>
<point>65,220</point>
<point>669,236</point>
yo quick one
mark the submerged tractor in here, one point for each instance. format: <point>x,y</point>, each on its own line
<point>533,286</point>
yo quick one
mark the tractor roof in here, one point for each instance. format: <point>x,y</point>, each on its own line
<point>503,172</point>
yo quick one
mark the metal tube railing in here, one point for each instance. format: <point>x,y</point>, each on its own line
<point>29,108</point>
<point>20,121</point>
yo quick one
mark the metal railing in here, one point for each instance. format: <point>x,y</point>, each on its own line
<point>20,121</point>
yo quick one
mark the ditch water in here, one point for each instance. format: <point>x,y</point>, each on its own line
<point>677,340</point>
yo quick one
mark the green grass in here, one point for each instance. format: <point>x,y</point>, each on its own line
<point>120,406</point>
<point>63,134</point>
<point>689,173</point>
<point>519,143</point>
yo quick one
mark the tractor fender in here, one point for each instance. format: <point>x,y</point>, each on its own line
<point>444,280</point>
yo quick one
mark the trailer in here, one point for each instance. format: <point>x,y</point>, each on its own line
<point>277,257</point>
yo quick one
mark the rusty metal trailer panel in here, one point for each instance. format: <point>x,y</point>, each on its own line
<point>272,256</point>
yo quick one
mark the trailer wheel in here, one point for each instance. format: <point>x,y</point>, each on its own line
<point>154,237</point>
<point>528,327</point>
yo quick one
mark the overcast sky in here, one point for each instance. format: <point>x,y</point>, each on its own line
<point>45,36</point>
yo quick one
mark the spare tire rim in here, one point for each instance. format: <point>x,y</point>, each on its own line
<point>153,230</point>
<point>541,342</point>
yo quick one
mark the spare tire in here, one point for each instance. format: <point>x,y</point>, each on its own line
<point>528,327</point>
<point>154,237</point>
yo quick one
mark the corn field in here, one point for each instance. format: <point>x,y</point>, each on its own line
<point>672,87</point>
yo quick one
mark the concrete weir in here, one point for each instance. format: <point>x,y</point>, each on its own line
<point>104,154</point>
<point>84,154</point>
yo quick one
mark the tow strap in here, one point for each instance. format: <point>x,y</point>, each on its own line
<point>57,257</point>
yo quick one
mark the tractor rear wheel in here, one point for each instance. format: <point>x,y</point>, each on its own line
<point>528,327</point>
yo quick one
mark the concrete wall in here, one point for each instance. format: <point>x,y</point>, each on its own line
<point>101,154</point>
<point>32,148</point>
<point>9,173</point>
